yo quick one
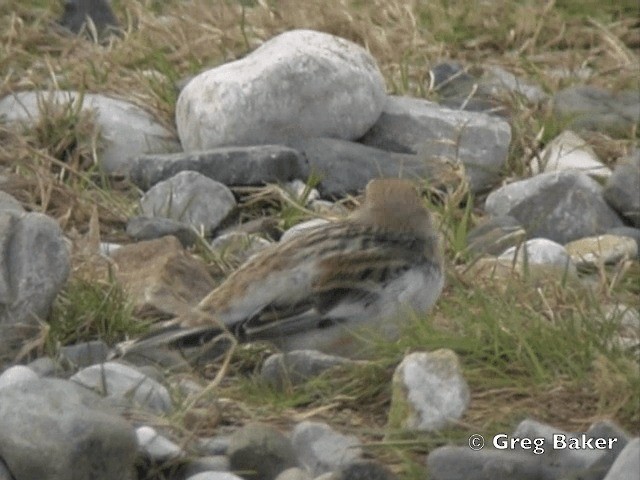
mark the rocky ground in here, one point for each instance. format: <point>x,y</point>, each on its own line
<point>145,154</point>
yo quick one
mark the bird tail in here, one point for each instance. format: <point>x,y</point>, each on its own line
<point>195,344</point>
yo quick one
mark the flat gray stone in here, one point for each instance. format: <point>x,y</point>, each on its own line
<point>462,463</point>
<point>125,386</point>
<point>126,130</point>
<point>301,83</point>
<point>34,265</point>
<point>85,354</point>
<point>190,198</point>
<point>285,369</point>
<point>321,449</point>
<point>55,430</point>
<point>346,167</point>
<point>412,125</point>
<point>252,165</point>
<point>560,206</point>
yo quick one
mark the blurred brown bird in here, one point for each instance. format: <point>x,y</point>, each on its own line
<point>320,287</point>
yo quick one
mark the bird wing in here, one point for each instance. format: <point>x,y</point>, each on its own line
<point>343,285</point>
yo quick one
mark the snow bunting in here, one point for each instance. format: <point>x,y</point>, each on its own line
<point>317,289</point>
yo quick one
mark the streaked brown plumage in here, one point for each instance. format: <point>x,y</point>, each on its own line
<point>317,288</point>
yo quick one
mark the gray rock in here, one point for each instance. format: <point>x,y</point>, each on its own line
<point>214,476</point>
<point>55,430</point>
<point>260,450</point>
<point>213,463</point>
<point>300,83</point>
<point>497,82</point>
<point>5,474</point>
<point>78,12</point>
<point>8,202</point>
<point>623,189</point>
<point>85,354</point>
<point>540,251</point>
<point>495,235</point>
<point>459,90</point>
<point>126,130</point>
<point>594,108</point>
<point>346,167</point>
<point>560,206</point>
<point>412,125</point>
<point>462,463</point>
<point>285,369</point>
<point>565,460</point>
<point>45,367</point>
<point>627,465</point>
<point>148,228</point>
<point>294,473</point>
<point>213,445</point>
<point>428,391</point>
<point>361,470</point>
<point>598,469</point>
<point>34,265</point>
<point>156,447</point>
<point>321,449</point>
<point>253,165</point>
<point>191,198</point>
<point>15,375</point>
<point>568,151</point>
<point>125,386</point>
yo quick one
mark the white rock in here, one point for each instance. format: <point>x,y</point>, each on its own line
<point>155,446</point>
<point>15,375</point>
<point>321,449</point>
<point>570,152</point>
<point>301,83</point>
<point>126,129</point>
<point>190,198</point>
<point>123,383</point>
<point>540,251</point>
<point>429,391</point>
